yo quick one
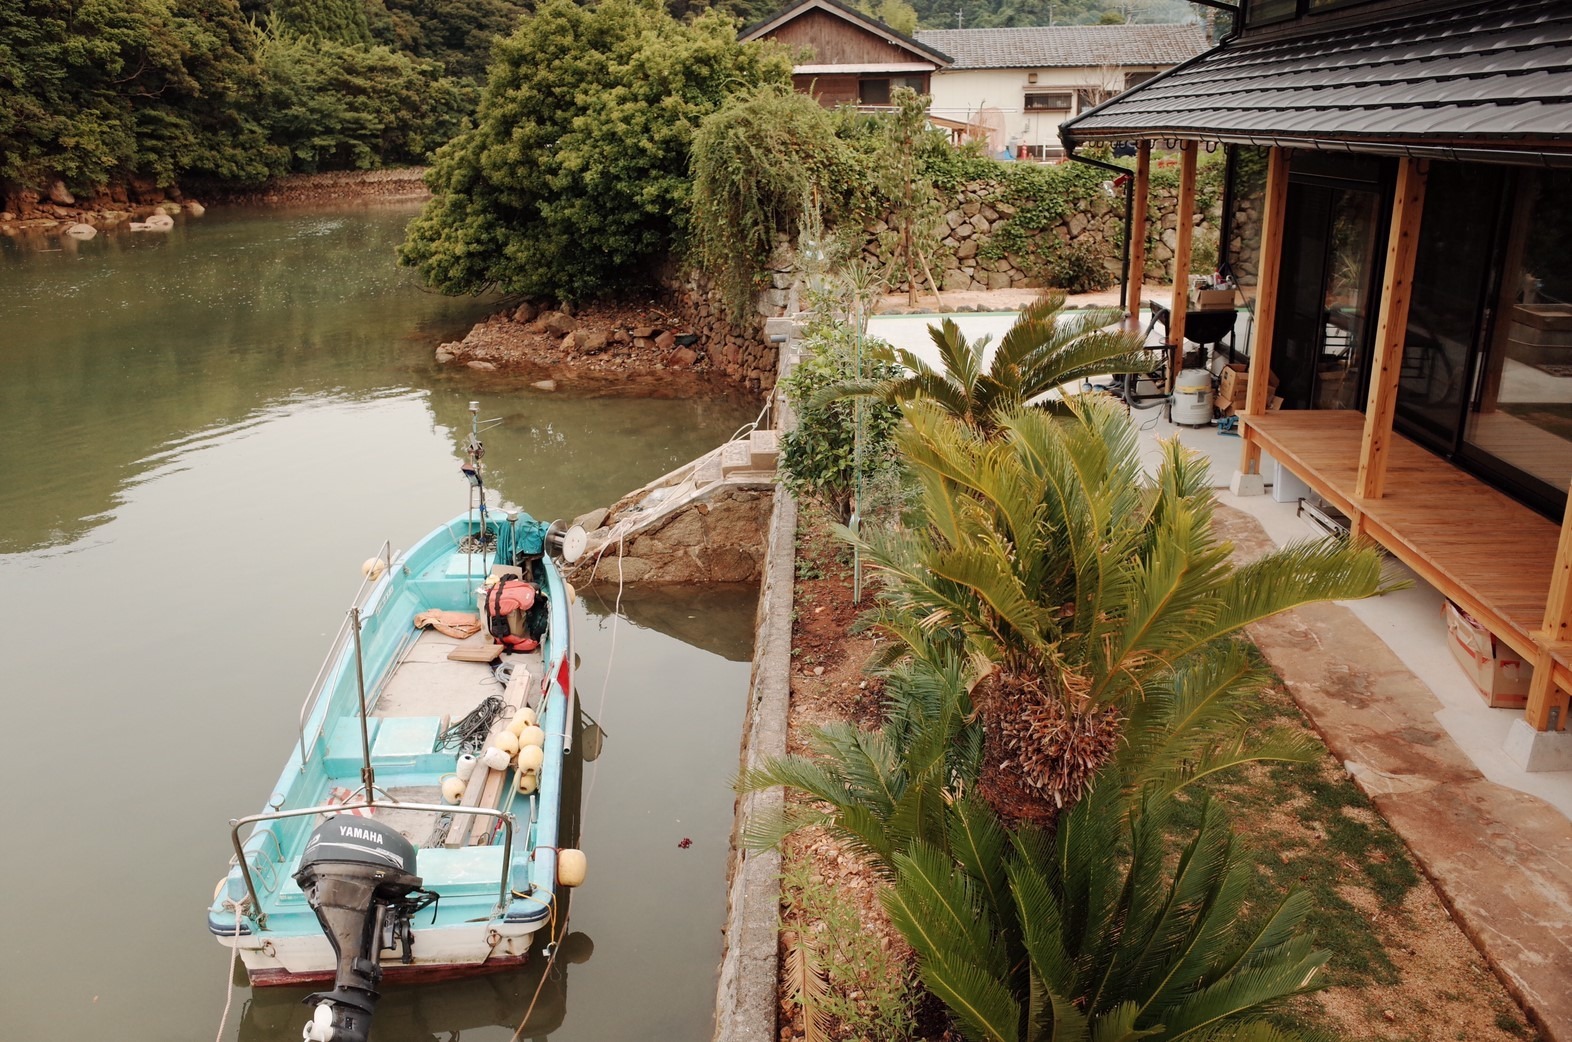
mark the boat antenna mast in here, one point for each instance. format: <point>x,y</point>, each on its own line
<point>480,538</point>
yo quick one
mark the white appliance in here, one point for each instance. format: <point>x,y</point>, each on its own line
<point>1193,398</point>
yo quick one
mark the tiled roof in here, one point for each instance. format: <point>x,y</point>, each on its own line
<point>1480,75</point>
<point>1044,46</point>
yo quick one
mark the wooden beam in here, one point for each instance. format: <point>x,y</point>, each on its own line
<point>1543,693</point>
<point>1136,228</point>
<point>1270,266</point>
<point>1391,326</point>
<point>1184,210</point>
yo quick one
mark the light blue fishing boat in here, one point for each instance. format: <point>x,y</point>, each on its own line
<point>415,830</point>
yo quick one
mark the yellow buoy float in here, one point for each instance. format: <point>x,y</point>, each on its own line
<point>531,757</point>
<point>528,783</point>
<point>525,717</point>
<point>372,568</point>
<point>452,788</point>
<point>507,741</point>
<point>532,735</point>
<point>571,866</point>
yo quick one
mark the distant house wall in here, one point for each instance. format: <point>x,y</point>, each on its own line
<point>964,94</point>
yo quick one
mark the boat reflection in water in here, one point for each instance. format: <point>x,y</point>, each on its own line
<point>442,1011</point>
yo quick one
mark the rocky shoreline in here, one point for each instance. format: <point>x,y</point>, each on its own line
<point>33,210</point>
<point>636,349</point>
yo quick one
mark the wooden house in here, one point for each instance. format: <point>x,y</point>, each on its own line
<point>1020,83</point>
<point>844,57</point>
<point>1413,293</point>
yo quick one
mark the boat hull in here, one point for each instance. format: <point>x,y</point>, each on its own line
<point>496,880</point>
<point>444,954</point>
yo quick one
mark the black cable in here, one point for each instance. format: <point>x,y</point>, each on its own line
<point>476,725</point>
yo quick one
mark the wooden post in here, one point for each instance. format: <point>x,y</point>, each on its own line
<point>1391,327</point>
<point>1136,229</point>
<point>1270,266</point>
<point>1184,210</point>
<point>1542,693</point>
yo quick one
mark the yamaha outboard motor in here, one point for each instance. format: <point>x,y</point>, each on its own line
<point>359,877</point>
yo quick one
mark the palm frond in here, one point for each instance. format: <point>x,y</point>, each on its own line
<point>808,988</point>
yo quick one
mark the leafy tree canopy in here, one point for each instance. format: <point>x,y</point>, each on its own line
<point>341,20</point>
<point>575,176</point>
<point>120,88</point>
<point>457,33</point>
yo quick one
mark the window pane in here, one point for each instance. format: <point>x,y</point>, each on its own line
<point>874,92</point>
<point>1261,12</point>
<point>1447,298</point>
<point>1523,412</point>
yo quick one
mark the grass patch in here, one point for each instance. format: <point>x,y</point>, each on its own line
<point>1313,829</point>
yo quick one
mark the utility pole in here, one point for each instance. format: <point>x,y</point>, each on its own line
<point>958,18</point>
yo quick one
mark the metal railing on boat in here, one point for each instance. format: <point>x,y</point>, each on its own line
<point>236,824</point>
<point>340,640</point>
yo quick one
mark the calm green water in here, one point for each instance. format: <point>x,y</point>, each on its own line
<point>202,435</point>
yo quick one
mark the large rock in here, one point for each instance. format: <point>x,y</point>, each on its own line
<point>60,195</point>
<point>558,323</point>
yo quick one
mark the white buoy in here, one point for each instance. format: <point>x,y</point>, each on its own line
<point>529,781</point>
<point>532,735</point>
<point>465,766</point>
<point>495,758</point>
<point>373,567</point>
<point>452,788</point>
<point>571,866</point>
<point>531,757</point>
<point>507,741</point>
<point>522,719</point>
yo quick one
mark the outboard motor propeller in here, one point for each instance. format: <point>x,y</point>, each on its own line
<point>359,877</point>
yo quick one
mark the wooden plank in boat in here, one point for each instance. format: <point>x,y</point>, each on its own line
<point>458,833</point>
<point>475,651</point>
<point>489,798</point>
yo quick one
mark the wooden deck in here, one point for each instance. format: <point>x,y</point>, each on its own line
<point>1491,555</point>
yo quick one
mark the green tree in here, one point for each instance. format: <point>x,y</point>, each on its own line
<point>835,444</point>
<point>909,243</point>
<point>574,180</point>
<point>1043,351</point>
<point>122,89</point>
<point>458,33</point>
<point>337,106</point>
<point>758,163</point>
<point>343,21</point>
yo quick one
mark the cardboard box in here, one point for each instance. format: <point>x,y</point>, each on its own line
<point>1501,677</point>
<point>1234,382</point>
<point>1212,299</point>
<point>1224,406</point>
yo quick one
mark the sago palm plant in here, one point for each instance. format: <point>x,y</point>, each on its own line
<point>882,791</point>
<point>1074,585</point>
<point>1106,931</point>
<point>1043,351</point>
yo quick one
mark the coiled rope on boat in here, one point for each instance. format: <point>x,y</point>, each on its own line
<point>470,732</point>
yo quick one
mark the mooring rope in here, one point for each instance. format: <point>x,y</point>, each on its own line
<point>229,992</point>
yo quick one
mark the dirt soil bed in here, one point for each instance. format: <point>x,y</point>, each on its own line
<point>1402,970</point>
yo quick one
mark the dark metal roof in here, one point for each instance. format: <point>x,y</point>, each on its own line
<point>1036,47</point>
<point>1486,76</point>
